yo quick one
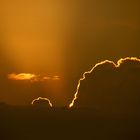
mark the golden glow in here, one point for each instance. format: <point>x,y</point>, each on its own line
<point>119,62</point>
<point>31,77</point>
<point>56,77</point>
<point>51,78</point>
<point>41,98</point>
<point>36,34</point>
<point>22,76</point>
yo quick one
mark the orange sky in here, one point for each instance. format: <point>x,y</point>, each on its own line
<point>63,38</point>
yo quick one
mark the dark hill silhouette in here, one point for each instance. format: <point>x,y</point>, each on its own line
<point>33,123</point>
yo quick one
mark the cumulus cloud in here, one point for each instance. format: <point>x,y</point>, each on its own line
<point>110,86</point>
<point>40,101</point>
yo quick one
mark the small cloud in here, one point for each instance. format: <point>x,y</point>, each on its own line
<point>46,78</point>
<point>31,77</point>
<point>22,76</point>
<point>40,101</point>
<point>55,78</point>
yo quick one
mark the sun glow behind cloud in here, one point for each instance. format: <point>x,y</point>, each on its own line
<point>22,76</point>
<point>35,40</point>
<point>31,77</point>
<point>50,85</point>
<point>36,34</point>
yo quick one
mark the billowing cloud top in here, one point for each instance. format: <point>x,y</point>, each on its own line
<point>110,86</point>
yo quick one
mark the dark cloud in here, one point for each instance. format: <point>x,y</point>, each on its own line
<point>111,87</point>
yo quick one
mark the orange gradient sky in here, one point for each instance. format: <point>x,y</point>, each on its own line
<point>60,39</point>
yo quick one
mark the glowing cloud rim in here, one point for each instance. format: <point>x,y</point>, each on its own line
<point>116,65</point>
<point>41,98</point>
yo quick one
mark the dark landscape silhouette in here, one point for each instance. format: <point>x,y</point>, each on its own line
<point>39,123</point>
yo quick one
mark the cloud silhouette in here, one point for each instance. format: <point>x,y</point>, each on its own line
<point>40,101</point>
<point>110,86</point>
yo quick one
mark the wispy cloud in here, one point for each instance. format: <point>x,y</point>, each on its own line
<point>22,76</point>
<point>31,77</point>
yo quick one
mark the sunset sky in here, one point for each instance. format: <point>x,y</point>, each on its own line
<point>55,41</point>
